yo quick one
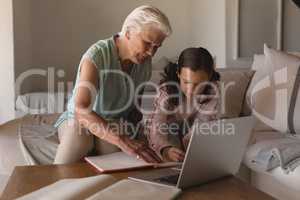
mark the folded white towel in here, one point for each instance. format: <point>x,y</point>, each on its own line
<point>266,155</point>
<point>41,102</point>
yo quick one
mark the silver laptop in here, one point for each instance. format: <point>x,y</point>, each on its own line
<point>215,150</point>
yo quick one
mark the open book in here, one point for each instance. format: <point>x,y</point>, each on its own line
<point>120,161</point>
<point>102,187</point>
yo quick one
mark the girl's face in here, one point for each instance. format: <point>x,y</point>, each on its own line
<point>189,80</point>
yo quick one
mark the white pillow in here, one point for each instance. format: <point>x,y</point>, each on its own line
<point>258,62</point>
<point>271,93</point>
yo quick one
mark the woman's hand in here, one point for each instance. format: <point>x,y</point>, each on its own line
<point>173,154</point>
<point>138,149</point>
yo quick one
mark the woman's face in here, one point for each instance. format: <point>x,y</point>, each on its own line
<point>144,44</point>
<point>189,80</point>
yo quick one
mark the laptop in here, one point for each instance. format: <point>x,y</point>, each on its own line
<point>215,150</point>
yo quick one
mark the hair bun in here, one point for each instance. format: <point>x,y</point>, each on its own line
<point>215,76</point>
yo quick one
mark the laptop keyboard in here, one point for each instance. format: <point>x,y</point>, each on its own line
<point>173,179</point>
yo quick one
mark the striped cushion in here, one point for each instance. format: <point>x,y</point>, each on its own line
<point>273,92</point>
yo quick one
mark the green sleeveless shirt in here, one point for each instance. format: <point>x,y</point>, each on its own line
<point>115,95</point>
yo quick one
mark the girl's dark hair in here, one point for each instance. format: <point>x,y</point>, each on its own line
<point>194,59</point>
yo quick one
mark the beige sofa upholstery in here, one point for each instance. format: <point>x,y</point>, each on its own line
<point>274,182</point>
<point>3,181</point>
<point>10,153</point>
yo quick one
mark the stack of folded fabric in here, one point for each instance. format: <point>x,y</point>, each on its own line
<point>266,155</point>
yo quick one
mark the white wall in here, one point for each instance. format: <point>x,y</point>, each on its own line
<point>208,27</point>
<point>264,21</point>
<point>291,26</point>
<point>230,37</point>
<point>55,33</point>
<point>23,39</point>
<point>61,30</point>
<point>255,30</point>
<point>6,62</point>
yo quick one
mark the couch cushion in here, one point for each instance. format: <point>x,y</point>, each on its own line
<point>259,65</point>
<point>10,151</point>
<point>258,62</point>
<point>271,93</point>
<point>234,84</point>
<point>3,182</point>
<point>260,69</point>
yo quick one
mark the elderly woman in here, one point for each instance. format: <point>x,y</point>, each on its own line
<point>107,78</point>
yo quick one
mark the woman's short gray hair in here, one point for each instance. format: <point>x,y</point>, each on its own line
<point>146,15</point>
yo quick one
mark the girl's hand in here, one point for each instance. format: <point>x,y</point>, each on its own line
<point>173,154</point>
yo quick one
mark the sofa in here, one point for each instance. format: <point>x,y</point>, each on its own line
<point>238,84</point>
<point>272,97</point>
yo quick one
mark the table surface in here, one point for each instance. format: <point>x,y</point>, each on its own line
<point>26,179</point>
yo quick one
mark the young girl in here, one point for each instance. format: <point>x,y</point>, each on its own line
<point>188,92</point>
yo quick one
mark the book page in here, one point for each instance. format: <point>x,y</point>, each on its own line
<point>116,161</point>
<point>75,189</point>
<point>134,190</point>
<point>122,161</point>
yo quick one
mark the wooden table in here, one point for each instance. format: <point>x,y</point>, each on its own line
<point>26,179</point>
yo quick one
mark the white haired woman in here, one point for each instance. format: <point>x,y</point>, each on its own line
<point>107,77</point>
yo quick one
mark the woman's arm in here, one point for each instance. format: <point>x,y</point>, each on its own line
<point>85,94</point>
<point>84,100</point>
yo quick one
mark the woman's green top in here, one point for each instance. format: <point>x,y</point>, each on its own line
<point>116,92</point>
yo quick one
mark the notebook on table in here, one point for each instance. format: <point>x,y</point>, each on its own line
<point>120,161</point>
<point>103,186</point>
